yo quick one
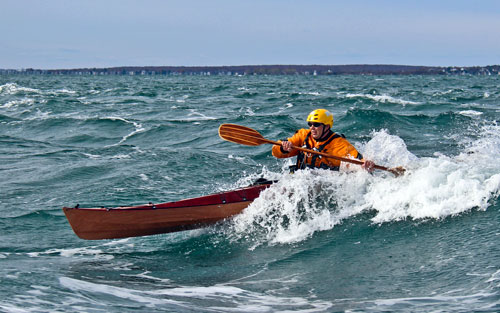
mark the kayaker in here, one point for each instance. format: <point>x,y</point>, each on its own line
<point>319,137</point>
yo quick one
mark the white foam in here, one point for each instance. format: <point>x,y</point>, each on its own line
<point>145,276</point>
<point>248,111</point>
<point>72,252</point>
<point>437,188</point>
<point>91,156</point>
<point>297,206</point>
<point>441,186</point>
<point>464,300</point>
<point>242,160</point>
<point>138,128</point>
<point>40,115</point>
<point>381,98</point>
<point>13,88</point>
<point>310,93</point>
<point>137,296</point>
<point>14,103</point>
<point>120,156</point>
<point>246,301</point>
<point>495,278</point>
<point>197,116</point>
<point>66,91</point>
<point>235,157</point>
<point>241,300</point>
<point>309,201</point>
<point>470,113</point>
<point>183,99</point>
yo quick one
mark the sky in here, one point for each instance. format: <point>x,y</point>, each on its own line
<point>56,34</point>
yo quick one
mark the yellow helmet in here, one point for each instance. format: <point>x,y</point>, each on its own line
<point>321,116</point>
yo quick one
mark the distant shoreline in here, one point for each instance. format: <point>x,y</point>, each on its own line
<point>356,69</point>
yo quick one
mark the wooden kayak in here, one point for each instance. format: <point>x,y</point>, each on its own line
<point>150,219</point>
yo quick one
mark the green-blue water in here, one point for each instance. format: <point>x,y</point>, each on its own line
<point>316,241</point>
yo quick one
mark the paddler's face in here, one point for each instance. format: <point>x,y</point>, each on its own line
<point>316,129</point>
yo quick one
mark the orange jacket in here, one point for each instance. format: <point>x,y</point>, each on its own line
<point>338,146</point>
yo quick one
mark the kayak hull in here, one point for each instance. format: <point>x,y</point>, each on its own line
<point>150,219</point>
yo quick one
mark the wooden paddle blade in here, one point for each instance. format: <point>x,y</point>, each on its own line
<point>241,135</point>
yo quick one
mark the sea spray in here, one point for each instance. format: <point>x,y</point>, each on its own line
<point>442,186</point>
<point>309,201</point>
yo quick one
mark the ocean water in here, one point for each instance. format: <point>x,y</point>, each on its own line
<point>316,241</point>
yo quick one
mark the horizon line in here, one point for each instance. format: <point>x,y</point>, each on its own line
<point>247,65</point>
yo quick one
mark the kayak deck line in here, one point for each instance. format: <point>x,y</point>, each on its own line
<point>192,202</point>
<point>149,219</point>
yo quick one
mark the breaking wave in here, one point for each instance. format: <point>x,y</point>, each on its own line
<point>309,201</point>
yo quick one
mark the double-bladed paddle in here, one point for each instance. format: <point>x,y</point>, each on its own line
<point>250,137</point>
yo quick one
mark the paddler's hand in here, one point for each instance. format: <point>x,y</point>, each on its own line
<point>286,146</point>
<point>368,165</point>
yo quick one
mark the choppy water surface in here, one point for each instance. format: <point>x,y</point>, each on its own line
<point>316,241</point>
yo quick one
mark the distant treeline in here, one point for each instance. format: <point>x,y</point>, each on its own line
<point>272,70</point>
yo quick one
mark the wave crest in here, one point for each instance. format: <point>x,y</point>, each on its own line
<point>309,201</point>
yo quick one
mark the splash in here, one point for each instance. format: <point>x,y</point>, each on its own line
<point>438,188</point>
<point>298,205</point>
<point>310,201</point>
<point>387,149</point>
<point>445,185</point>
